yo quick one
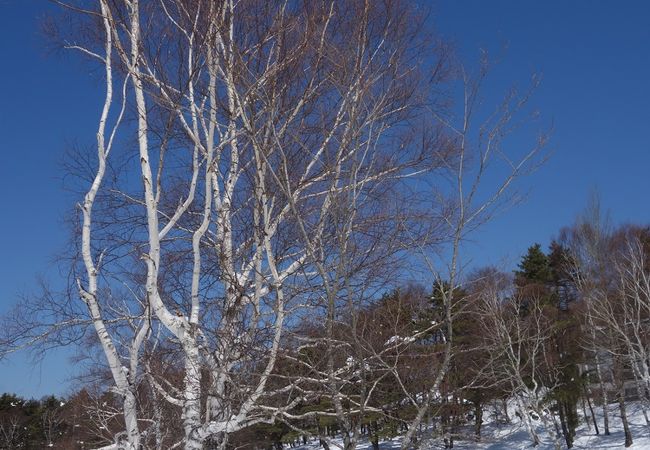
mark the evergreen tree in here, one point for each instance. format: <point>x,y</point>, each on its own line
<point>534,268</point>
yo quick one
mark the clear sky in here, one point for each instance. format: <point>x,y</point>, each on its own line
<point>594,57</point>
<point>595,60</point>
<point>47,103</point>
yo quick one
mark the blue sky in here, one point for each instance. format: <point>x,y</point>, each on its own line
<point>47,103</point>
<point>594,57</point>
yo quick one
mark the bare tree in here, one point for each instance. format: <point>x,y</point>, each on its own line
<point>253,165</point>
<point>588,243</point>
<point>629,319</point>
<point>266,136</point>
<point>11,428</point>
<point>52,419</point>
<point>519,344</point>
<point>480,147</point>
<point>609,267</point>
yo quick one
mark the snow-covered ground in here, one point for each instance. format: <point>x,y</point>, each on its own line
<point>514,436</point>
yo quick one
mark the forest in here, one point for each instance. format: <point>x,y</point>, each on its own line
<point>559,339</point>
<point>268,245</point>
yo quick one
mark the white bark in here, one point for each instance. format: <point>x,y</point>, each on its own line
<point>282,141</point>
<point>89,293</point>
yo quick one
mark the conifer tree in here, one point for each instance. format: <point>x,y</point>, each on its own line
<point>534,267</point>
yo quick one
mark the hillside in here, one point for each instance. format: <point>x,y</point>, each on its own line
<point>514,436</point>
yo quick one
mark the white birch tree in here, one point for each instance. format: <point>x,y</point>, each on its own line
<point>264,136</point>
<point>265,148</point>
<point>519,346</point>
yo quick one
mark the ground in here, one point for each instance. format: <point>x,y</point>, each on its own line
<point>514,436</point>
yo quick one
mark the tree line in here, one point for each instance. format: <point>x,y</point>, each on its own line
<point>556,342</point>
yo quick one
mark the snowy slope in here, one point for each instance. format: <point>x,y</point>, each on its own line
<point>514,436</point>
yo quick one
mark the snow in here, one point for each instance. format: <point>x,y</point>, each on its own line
<point>337,443</point>
<point>399,340</point>
<point>514,436</point>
